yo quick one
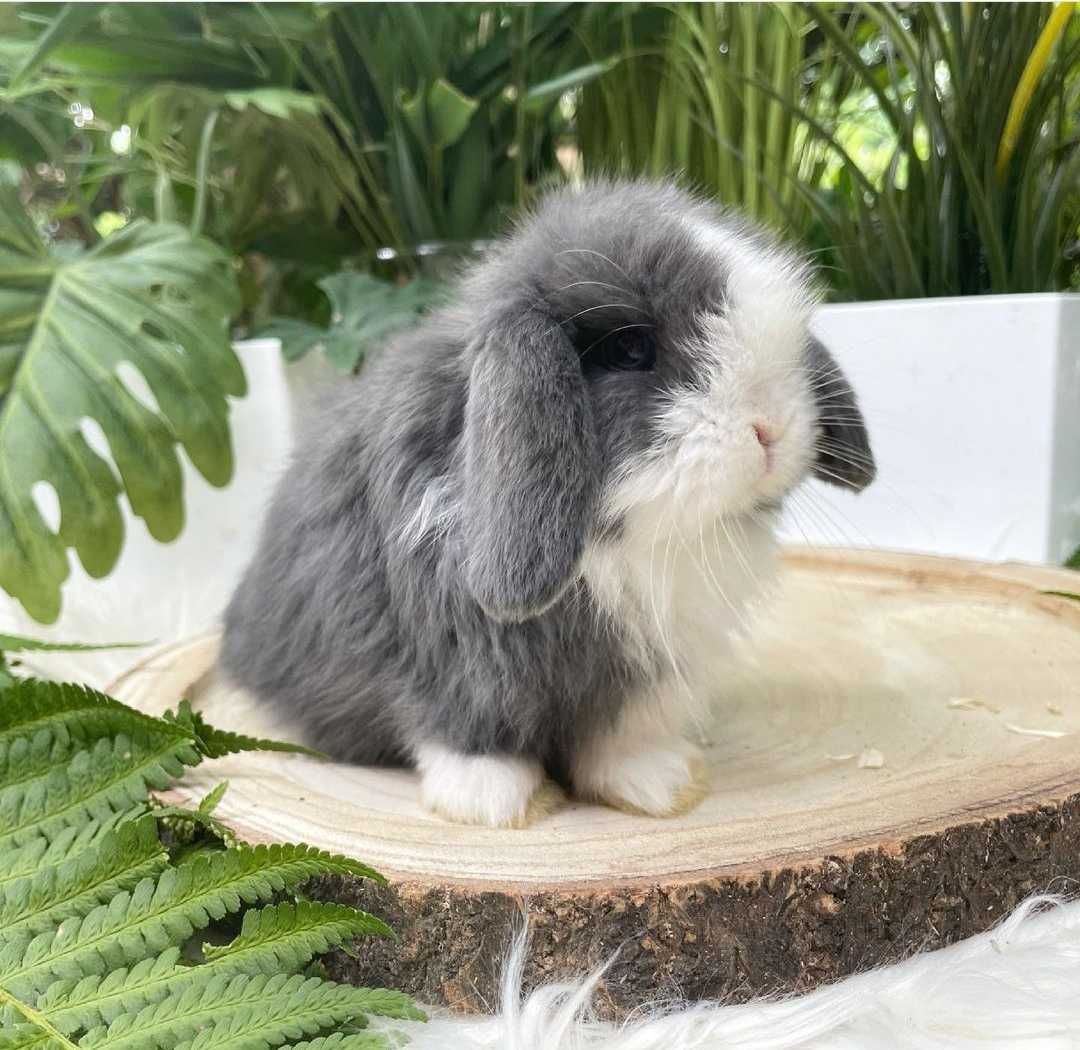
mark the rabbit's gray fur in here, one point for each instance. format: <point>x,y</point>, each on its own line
<point>418,576</point>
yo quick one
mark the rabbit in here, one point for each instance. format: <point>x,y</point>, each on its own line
<point>512,549</point>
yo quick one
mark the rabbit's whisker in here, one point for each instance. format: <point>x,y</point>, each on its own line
<point>591,251</point>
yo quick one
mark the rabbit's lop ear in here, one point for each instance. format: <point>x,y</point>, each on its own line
<point>531,466</point>
<point>843,454</point>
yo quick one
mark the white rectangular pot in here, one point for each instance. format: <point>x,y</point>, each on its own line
<point>973,406</point>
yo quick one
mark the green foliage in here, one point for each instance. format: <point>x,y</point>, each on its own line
<point>150,297</point>
<point>122,858</point>
<point>259,1010</point>
<point>284,937</point>
<point>46,788</point>
<point>947,212</point>
<point>364,311</point>
<point>706,90</point>
<point>216,743</point>
<point>874,132</point>
<point>74,711</point>
<point>361,126</point>
<point>16,643</point>
<point>143,922</point>
<point>98,925</point>
<point>339,1041</point>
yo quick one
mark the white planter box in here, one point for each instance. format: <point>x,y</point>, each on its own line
<point>973,406</point>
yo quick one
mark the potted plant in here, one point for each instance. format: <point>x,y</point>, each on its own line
<point>964,350</point>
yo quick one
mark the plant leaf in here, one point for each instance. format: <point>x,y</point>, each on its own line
<point>84,714</point>
<point>365,312</point>
<point>70,20</point>
<point>295,935</point>
<point>45,791</point>
<point>275,102</point>
<point>209,802</point>
<point>449,112</point>
<point>320,926</point>
<point>158,914</point>
<point>40,853</point>
<point>297,337</point>
<point>216,743</point>
<point>119,861</point>
<point>150,296</point>
<point>540,95</point>
<point>340,1041</point>
<point>222,1012</point>
<point>15,643</point>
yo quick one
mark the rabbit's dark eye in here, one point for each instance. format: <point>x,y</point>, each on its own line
<point>631,350</point>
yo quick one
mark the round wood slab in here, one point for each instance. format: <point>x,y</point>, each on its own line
<point>895,763</point>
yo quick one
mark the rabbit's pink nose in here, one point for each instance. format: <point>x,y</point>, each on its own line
<point>764,434</point>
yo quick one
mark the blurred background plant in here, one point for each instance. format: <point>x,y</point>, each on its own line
<point>920,149</point>
<point>329,164</point>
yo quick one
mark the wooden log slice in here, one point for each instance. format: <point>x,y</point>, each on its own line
<point>800,865</point>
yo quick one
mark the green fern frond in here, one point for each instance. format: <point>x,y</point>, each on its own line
<point>111,776</point>
<point>287,936</point>
<point>228,1012</point>
<point>94,916</point>
<point>94,1000</point>
<point>41,852</point>
<point>27,1037</point>
<point>338,1041</point>
<point>23,759</point>
<point>282,943</point>
<point>216,743</point>
<point>87,715</point>
<point>40,901</point>
<point>159,914</point>
<point>35,1020</point>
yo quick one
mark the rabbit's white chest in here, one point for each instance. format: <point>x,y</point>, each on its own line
<point>676,596</point>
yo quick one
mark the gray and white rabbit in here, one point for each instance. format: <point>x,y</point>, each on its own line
<point>515,545</point>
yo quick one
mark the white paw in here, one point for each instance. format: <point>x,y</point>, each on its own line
<point>492,790</point>
<point>659,779</point>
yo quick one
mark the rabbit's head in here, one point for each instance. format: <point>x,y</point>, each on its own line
<point>630,345</point>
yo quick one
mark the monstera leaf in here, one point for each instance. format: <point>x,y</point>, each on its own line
<point>150,297</point>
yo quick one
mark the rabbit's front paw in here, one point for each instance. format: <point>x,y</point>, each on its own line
<point>659,779</point>
<point>497,791</point>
